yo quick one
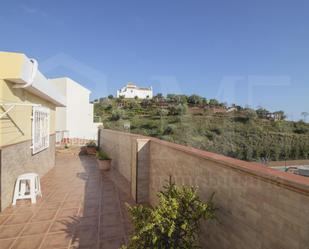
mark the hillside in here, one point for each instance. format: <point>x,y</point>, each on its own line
<point>243,133</point>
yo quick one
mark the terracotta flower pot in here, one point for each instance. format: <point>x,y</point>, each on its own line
<point>104,164</point>
<point>91,150</point>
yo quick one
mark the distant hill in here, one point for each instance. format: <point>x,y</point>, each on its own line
<point>243,133</point>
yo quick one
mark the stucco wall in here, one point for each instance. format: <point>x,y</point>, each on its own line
<point>17,128</point>
<point>121,149</point>
<point>77,106</point>
<point>16,160</point>
<point>257,207</point>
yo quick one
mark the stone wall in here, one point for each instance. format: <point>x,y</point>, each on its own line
<point>257,207</point>
<point>17,159</point>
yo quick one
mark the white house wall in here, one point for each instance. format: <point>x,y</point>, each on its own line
<point>77,116</point>
<point>131,93</point>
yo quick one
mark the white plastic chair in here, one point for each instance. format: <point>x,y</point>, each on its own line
<point>27,187</point>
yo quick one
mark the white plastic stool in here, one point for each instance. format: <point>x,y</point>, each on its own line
<point>27,187</point>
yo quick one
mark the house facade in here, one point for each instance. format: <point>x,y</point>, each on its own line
<point>131,91</point>
<point>74,122</point>
<point>28,103</point>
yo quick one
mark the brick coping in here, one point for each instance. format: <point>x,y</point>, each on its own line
<point>290,181</point>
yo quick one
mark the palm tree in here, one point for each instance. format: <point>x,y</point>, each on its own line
<point>305,115</point>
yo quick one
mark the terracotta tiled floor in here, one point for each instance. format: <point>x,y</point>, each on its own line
<point>81,208</point>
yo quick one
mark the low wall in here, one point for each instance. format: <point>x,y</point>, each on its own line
<point>121,149</point>
<point>289,163</point>
<point>258,207</point>
<point>17,159</point>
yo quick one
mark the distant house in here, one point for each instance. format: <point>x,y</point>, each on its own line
<point>131,91</point>
<point>28,102</point>
<point>231,109</point>
<point>75,121</point>
<point>275,116</point>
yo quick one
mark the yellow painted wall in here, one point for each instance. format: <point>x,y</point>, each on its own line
<point>17,128</point>
<point>11,65</point>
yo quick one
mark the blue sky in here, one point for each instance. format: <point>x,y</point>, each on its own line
<point>249,52</point>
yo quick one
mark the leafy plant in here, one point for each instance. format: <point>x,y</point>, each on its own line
<point>101,155</point>
<point>91,144</point>
<point>116,115</point>
<point>174,223</point>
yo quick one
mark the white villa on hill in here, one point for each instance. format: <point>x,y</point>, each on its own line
<point>131,91</point>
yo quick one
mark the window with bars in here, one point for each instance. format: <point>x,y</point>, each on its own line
<point>40,129</point>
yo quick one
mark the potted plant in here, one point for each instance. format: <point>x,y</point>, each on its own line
<point>91,148</point>
<point>173,223</point>
<point>104,161</point>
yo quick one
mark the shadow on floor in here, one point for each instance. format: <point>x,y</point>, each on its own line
<point>82,207</point>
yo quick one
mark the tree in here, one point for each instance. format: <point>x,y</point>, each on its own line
<point>195,100</point>
<point>262,112</point>
<point>159,96</point>
<point>213,102</point>
<point>173,223</point>
<point>170,97</point>
<point>110,96</point>
<point>305,115</point>
<point>179,109</point>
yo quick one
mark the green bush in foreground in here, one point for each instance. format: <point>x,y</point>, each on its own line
<point>174,223</point>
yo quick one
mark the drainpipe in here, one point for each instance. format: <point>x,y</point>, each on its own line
<point>33,73</point>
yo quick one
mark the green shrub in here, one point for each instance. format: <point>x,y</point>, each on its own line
<point>216,130</point>
<point>91,144</point>
<point>169,129</point>
<point>101,155</point>
<point>162,112</point>
<point>195,99</point>
<point>174,223</point>
<point>179,109</point>
<point>116,115</point>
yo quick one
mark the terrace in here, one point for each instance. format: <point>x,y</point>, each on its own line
<point>81,208</point>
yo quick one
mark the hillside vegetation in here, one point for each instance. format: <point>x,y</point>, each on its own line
<point>238,132</point>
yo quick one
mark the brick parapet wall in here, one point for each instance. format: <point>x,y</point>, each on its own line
<point>258,207</point>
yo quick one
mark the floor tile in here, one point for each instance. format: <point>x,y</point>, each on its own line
<point>6,243</point>
<point>18,219</point>
<point>67,212</point>
<point>85,236</point>
<point>44,215</point>
<point>112,243</point>
<point>64,225</point>
<point>56,240</point>
<point>36,228</point>
<point>111,232</point>
<point>29,242</point>
<point>3,218</point>
<point>111,219</point>
<point>50,205</point>
<point>71,204</point>
<point>12,231</point>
